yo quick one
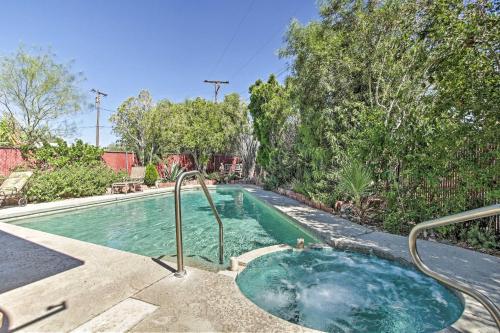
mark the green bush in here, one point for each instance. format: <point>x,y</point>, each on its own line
<point>355,181</point>
<point>71,181</point>
<point>59,154</point>
<point>215,176</point>
<point>478,238</point>
<point>151,175</point>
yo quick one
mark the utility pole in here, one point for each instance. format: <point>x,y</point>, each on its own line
<point>216,84</point>
<point>98,95</point>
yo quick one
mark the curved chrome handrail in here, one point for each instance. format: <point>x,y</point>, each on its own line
<point>178,219</point>
<point>463,287</point>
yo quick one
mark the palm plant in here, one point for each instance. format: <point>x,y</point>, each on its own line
<point>355,181</point>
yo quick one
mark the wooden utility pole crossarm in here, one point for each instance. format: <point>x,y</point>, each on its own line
<point>217,85</point>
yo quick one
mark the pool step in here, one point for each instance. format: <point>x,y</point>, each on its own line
<point>119,318</point>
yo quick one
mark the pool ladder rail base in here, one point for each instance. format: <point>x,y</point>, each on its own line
<point>181,271</point>
<point>483,212</point>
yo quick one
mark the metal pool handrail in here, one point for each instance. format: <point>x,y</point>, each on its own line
<point>178,219</point>
<point>463,287</point>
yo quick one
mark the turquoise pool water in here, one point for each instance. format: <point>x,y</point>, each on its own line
<point>147,226</point>
<point>338,291</point>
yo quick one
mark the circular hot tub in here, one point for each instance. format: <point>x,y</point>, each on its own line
<point>337,291</point>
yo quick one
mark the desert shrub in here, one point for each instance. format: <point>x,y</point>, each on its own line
<point>174,172</point>
<point>151,175</point>
<point>215,176</point>
<point>355,181</point>
<point>478,238</point>
<point>71,181</point>
<point>59,154</point>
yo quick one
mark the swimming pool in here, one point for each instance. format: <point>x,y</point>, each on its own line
<point>147,226</point>
<point>337,291</point>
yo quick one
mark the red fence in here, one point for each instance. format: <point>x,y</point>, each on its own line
<point>187,162</point>
<point>217,159</point>
<point>9,159</point>
<point>118,161</point>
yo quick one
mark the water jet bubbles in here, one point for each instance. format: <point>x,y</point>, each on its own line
<point>370,295</point>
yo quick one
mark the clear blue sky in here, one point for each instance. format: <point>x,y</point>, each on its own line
<point>166,47</point>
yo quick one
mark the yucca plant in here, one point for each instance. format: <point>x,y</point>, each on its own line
<point>355,181</point>
<point>175,171</point>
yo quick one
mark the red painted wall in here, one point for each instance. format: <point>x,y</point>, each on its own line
<point>187,162</point>
<point>184,160</point>
<point>117,160</point>
<point>217,159</point>
<point>9,159</point>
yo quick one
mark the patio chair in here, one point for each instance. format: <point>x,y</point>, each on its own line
<point>238,169</point>
<point>12,188</point>
<point>132,184</point>
<point>137,174</point>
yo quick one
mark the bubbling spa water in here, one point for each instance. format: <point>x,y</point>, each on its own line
<point>337,291</point>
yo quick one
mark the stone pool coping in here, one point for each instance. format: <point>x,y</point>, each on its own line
<point>141,278</point>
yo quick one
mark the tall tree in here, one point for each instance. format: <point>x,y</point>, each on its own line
<point>37,91</point>
<point>131,122</point>
<point>275,126</point>
<point>202,128</point>
<point>198,127</point>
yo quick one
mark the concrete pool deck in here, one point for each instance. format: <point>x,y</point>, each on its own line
<point>53,283</point>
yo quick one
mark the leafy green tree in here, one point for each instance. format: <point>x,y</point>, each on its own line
<point>211,128</point>
<point>198,127</point>
<point>275,126</point>
<point>37,92</point>
<point>131,123</point>
<point>409,87</point>
<point>8,137</point>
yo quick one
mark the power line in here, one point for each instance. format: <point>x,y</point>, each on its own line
<point>81,127</point>
<point>256,53</point>
<point>232,39</point>
<point>282,71</point>
<point>217,85</point>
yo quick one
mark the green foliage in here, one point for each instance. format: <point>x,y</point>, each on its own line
<point>151,175</point>
<point>37,92</point>
<point>133,124</point>
<point>174,172</point>
<point>59,154</point>
<point>275,127</point>
<point>354,180</point>
<point>478,238</point>
<point>215,176</point>
<point>67,171</point>
<point>8,136</point>
<point>71,181</point>
<point>409,87</point>
<point>199,127</point>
